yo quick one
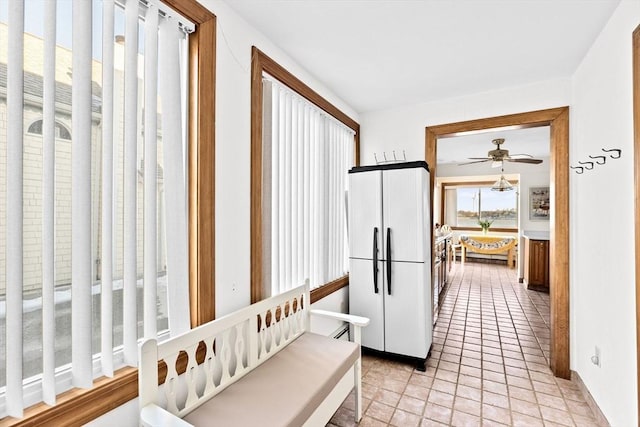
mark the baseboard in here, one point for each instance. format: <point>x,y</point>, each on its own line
<point>600,418</point>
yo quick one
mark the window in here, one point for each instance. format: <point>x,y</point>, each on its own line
<point>302,148</point>
<point>109,207</point>
<point>306,157</point>
<point>60,131</point>
<point>465,204</point>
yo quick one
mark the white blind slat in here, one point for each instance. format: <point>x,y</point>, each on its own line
<point>281,194</point>
<point>315,216</point>
<point>174,180</point>
<point>106,301</point>
<point>130,321</point>
<point>150,171</point>
<point>274,199</point>
<point>301,143</point>
<point>307,185</point>
<point>293,225</point>
<point>14,260</point>
<point>287,192</point>
<point>81,196</point>
<point>48,204</point>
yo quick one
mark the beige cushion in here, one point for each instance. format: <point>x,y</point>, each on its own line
<point>284,390</point>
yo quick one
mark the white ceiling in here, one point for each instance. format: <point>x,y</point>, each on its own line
<point>378,54</point>
<point>533,141</point>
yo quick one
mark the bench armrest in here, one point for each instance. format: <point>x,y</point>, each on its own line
<point>154,416</point>
<point>349,318</point>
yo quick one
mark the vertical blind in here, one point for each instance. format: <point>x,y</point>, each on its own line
<point>113,267</point>
<point>306,156</point>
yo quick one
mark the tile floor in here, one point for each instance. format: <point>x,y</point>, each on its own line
<point>488,365</point>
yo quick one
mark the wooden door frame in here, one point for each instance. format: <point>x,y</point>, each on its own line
<point>636,173</point>
<point>558,120</point>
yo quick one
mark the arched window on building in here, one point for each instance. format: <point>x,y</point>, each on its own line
<point>61,131</point>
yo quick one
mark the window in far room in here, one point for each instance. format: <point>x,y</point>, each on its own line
<point>465,204</point>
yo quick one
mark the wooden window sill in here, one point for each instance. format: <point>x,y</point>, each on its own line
<point>326,290</point>
<point>79,406</point>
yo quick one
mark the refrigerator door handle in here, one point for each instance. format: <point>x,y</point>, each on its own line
<point>375,259</point>
<point>389,261</point>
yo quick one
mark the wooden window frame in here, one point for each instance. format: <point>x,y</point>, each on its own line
<point>79,406</point>
<point>261,63</point>
<point>635,52</point>
<point>471,184</point>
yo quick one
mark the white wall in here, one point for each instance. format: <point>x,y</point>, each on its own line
<point>602,221</point>
<point>403,128</point>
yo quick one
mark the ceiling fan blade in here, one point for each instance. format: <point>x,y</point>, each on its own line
<point>476,161</point>
<point>530,161</point>
<point>480,158</point>
<point>513,156</point>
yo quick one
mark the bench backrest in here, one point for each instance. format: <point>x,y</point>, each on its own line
<point>204,361</point>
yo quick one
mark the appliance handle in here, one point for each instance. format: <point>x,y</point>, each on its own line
<point>389,261</point>
<point>375,259</point>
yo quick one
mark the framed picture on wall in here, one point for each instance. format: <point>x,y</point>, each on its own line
<point>539,203</point>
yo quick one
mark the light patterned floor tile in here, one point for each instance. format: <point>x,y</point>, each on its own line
<point>488,365</point>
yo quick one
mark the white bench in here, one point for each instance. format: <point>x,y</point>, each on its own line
<point>257,366</point>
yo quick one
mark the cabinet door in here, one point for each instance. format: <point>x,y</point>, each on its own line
<point>408,318</point>
<point>365,213</point>
<point>364,301</point>
<point>405,195</point>
<point>538,262</point>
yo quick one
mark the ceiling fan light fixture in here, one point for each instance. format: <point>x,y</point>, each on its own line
<point>502,185</point>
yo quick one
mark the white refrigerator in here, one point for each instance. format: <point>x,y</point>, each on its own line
<point>390,256</point>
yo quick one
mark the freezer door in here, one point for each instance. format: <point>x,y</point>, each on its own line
<point>405,195</point>
<point>365,213</point>
<point>364,301</point>
<point>408,311</point>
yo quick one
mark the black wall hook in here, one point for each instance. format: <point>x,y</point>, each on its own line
<point>587,163</point>
<point>604,159</point>
<point>579,169</point>
<point>616,150</point>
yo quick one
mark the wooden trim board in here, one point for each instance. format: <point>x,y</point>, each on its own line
<point>558,120</point>
<point>636,172</point>
<point>202,160</point>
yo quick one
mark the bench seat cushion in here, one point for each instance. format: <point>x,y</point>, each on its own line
<point>283,391</point>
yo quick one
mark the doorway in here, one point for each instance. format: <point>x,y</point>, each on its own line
<point>558,120</point>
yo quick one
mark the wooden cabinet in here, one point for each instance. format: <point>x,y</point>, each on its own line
<point>536,264</point>
<point>440,271</point>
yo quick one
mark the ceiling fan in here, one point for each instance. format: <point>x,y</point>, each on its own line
<point>499,155</point>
